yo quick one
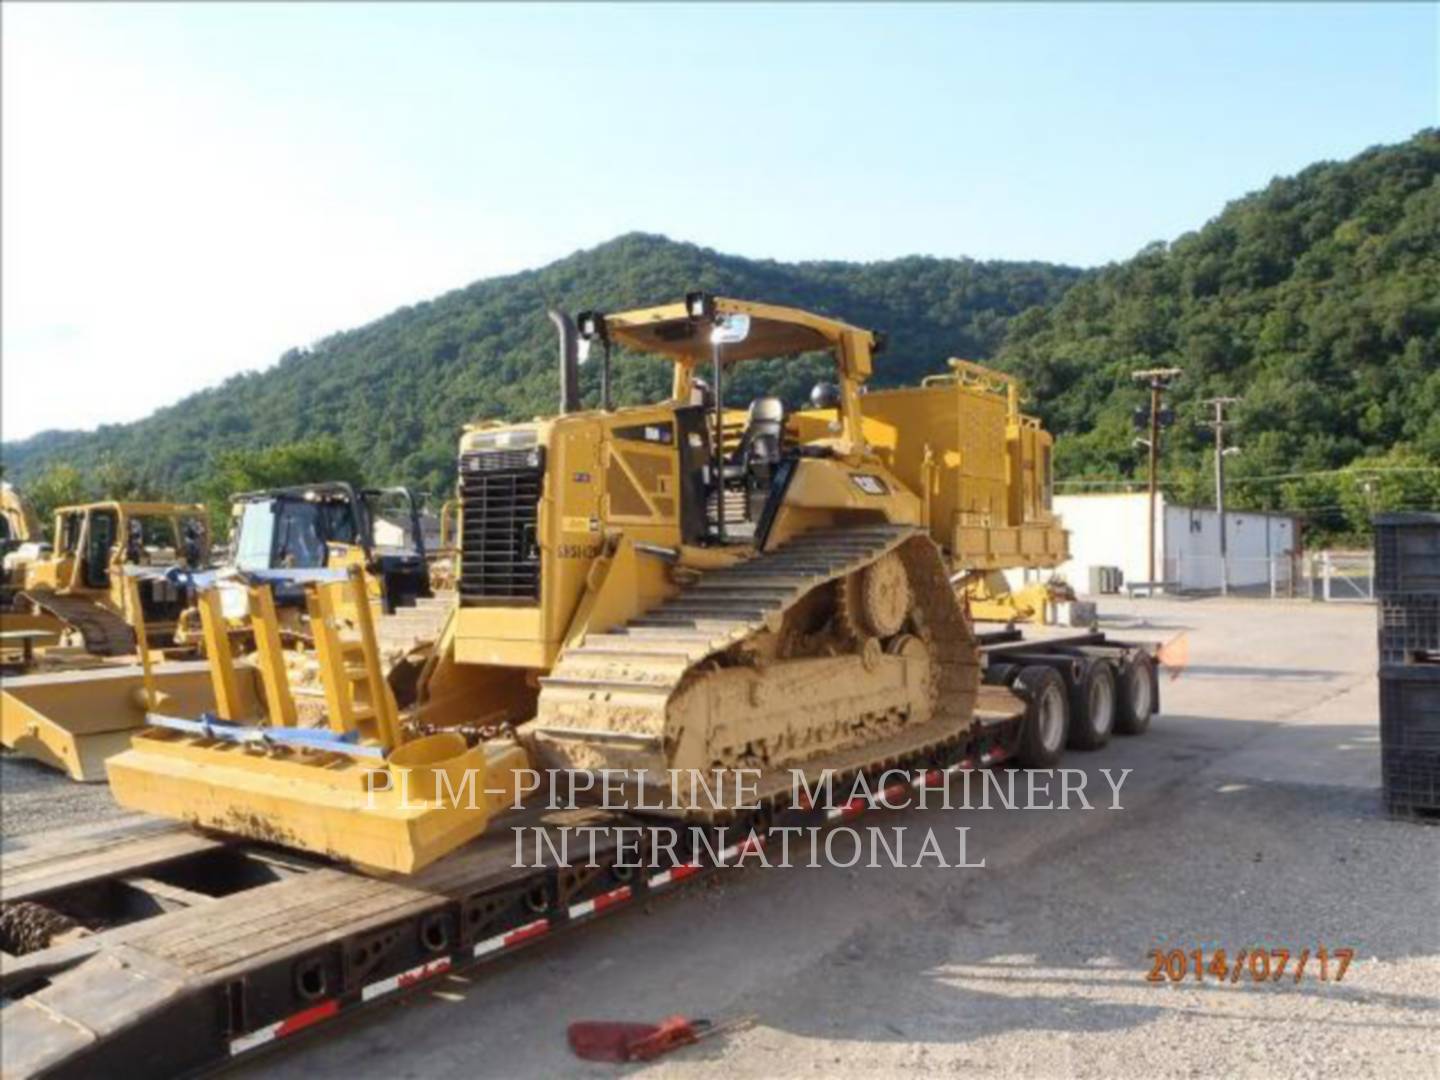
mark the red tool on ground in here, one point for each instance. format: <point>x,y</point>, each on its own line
<point>619,1041</point>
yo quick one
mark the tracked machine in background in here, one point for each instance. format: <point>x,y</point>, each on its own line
<point>78,604</point>
<point>636,596</point>
<point>82,704</point>
<point>80,583</point>
<point>334,525</point>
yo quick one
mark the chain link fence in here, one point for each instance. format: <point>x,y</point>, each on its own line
<point>1331,576</point>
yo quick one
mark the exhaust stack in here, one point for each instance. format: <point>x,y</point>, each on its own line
<point>569,361</point>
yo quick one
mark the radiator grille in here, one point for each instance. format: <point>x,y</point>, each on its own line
<point>500,507</point>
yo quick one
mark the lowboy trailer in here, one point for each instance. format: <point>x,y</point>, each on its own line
<point>151,949</point>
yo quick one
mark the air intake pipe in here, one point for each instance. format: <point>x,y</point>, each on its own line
<point>569,361</point>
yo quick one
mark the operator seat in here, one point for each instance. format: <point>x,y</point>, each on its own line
<point>760,445</point>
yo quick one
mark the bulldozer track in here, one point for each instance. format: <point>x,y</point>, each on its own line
<point>104,632</point>
<point>608,699</point>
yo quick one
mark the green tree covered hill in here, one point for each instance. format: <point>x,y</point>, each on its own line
<point>1316,301</point>
<point>396,392</point>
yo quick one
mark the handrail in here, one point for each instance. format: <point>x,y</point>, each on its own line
<point>973,376</point>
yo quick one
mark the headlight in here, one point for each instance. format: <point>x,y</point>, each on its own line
<point>591,325</point>
<point>514,439</point>
<point>234,601</point>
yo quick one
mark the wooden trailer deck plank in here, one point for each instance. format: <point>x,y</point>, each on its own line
<point>294,915</point>
<point>32,867</point>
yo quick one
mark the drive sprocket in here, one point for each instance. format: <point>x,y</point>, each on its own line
<point>875,601</point>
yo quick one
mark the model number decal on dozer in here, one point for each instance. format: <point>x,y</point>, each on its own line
<point>579,551</point>
<point>870,485</point>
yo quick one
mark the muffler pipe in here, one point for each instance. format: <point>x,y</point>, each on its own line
<point>569,361</point>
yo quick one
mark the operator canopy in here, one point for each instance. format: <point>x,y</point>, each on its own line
<point>683,331</point>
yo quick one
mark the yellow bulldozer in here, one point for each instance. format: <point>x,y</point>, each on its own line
<point>335,525</point>
<point>77,601</point>
<point>639,593</point>
<point>80,584</point>
<point>84,703</point>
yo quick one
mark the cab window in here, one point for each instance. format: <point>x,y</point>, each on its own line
<point>255,536</point>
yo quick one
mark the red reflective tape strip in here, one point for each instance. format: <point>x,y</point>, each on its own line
<point>850,809</point>
<point>405,978</point>
<point>291,1024</point>
<point>674,874</point>
<point>740,850</point>
<point>613,897</point>
<point>600,903</point>
<point>305,1018</point>
<point>511,938</point>
<point>525,933</point>
<point>895,791</point>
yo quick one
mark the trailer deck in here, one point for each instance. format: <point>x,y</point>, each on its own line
<point>153,928</point>
<point>239,945</point>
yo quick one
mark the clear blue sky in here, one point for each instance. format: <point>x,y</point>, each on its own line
<point>191,189</point>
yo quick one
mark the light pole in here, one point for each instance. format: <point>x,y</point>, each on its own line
<point>1218,423</point>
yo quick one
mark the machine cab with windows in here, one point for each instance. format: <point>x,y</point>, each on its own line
<point>335,525</point>
<point>82,583</point>
<point>690,480</point>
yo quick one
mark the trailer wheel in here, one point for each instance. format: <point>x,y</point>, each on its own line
<point>1047,716</point>
<point>1136,695</point>
<point>1092,707</point>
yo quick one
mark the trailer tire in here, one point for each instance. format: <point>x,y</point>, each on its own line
<point>1046,723</point>
<point>1092,706</point>
<point>1135,695</point>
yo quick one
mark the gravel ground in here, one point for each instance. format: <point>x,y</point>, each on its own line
<point>34,797</point>
<point>1251,818</point>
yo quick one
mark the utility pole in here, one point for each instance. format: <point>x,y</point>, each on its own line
<point>1159,380</point>
<point>1218,424</point>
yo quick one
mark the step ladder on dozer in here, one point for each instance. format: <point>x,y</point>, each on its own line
<point>353,788</point>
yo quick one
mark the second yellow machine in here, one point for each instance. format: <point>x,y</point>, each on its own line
<point>639,593</point>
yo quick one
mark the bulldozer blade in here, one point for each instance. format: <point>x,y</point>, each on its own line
<point>381,818</point>
<point>75,720</point>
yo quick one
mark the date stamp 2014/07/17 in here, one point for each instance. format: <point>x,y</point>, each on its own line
<point>1248,965</point>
